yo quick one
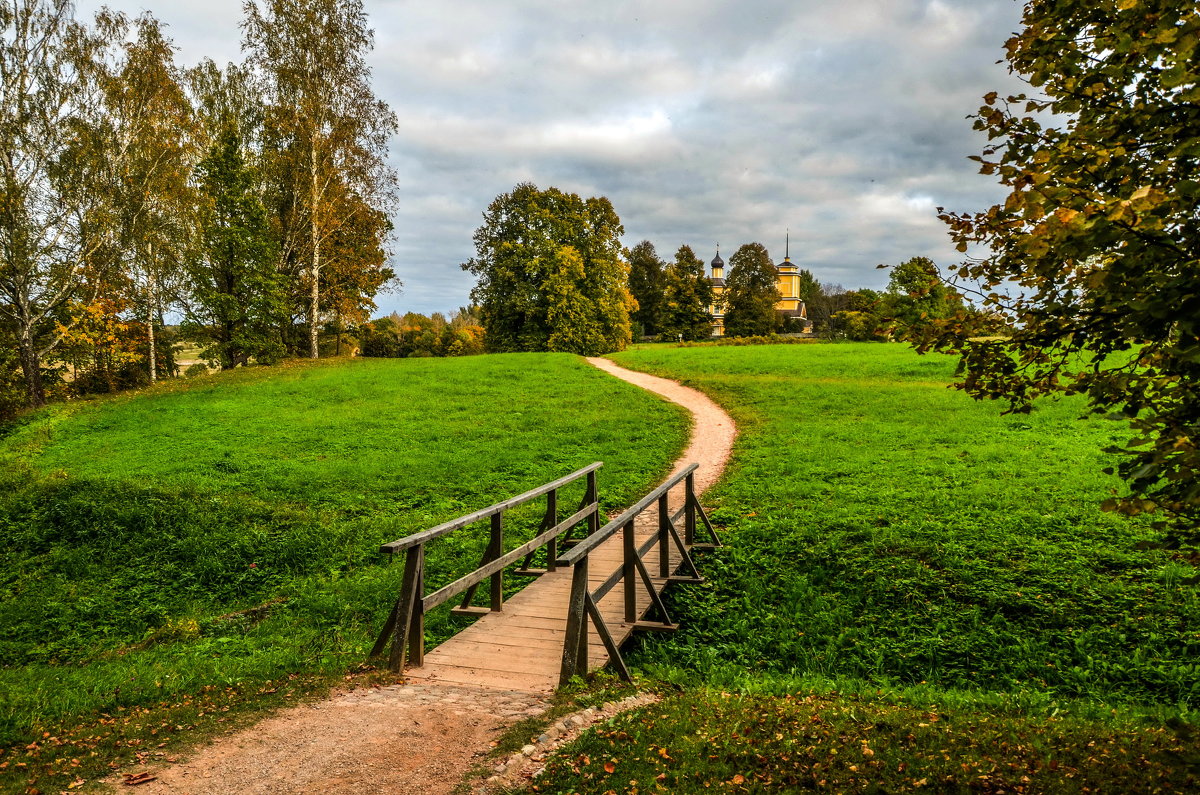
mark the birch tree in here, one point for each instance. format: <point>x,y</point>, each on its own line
<point>331,131</point>
<point>153,132</point>
<point>51,153</point>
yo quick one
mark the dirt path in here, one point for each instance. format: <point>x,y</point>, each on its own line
<point>415,738</point>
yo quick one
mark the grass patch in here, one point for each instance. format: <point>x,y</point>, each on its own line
<point>886,529</point>
<point>911,573</point>
<point>222,534</point>
<point>713,741</point>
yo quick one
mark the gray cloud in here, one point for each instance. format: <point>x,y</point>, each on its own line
<point>702,121</point>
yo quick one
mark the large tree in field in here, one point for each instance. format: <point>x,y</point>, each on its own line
<point>550,273</point>
<point>52,154</point>
<point>1095,254</point>
<point>687,298</point>
<point>646,284</point>
<point>751,292</point>
<point>328,129</point>
<point>917,297</point>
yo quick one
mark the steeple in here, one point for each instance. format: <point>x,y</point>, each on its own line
<point>787,250</point>
<point>718,269</point>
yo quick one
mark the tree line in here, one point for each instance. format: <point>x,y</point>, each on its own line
<point>251,202</point>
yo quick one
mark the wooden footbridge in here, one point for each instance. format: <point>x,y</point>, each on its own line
<point>595,589</point>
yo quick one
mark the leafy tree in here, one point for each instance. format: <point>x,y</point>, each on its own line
<point>329,130</point>
<point>54,150</point>
<point>646,283</point>
<point>917,296</point>
<point>751,293</point>
<point>238,295</point>
<point>1099,232</point>
<point>152,128</point>
<point>688,296</point>
<point>550,275</point>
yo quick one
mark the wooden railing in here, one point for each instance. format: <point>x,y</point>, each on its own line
<point>405,627</point>
<point>584,600</point>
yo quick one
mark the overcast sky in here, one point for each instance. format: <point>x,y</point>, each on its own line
<point>704,122</point>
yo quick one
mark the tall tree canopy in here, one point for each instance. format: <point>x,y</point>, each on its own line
<point>917,297</point>
<point>646,284</point>
<point>687,298</point>
<point>751,292</point>
<point>329,130</point>
<point>53,219</point>
<point>550,274</point>
<point>1100,233</point>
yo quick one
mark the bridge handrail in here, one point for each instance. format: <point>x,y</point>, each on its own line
<point>581,550</point>
<point>405,627</point>
<point>425,536</point>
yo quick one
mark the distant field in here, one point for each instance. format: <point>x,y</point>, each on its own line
<point>136,526</point>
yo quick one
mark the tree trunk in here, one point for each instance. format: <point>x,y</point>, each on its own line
<point>151,288</point>
<point>31,367</point>
<point>314,305</point>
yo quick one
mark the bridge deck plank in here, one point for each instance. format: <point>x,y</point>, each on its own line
<point>520,647</point>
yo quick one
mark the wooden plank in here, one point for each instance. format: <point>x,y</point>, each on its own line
<point>455,524</point>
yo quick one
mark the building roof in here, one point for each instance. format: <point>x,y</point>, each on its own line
<point>717,262</point>
<point>716,281</point>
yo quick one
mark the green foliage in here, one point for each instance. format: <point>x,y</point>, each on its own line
<point>415,335</point>
<point>549,271</point>
<point>916,298</point>
<point>646,285</point>
<point>751,293</point>
<point>240,296</point>
<point>224,532</point>
<point>715,741</point>
<point>884,529</point>
<point>688,296</point>
<point>1100,231</point>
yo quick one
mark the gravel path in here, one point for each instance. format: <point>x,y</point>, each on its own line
<point>407,739</point>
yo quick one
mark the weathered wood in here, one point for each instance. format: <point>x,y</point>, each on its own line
<point>629,572</point>
<point>600,536</point>
<point>410,593</point>
<point>576,632</point>
<point>655,599</point>
<point>496,551</point>
<point>716,540</point>
<point>664,552</point>
<point>448,592</point>
<point>483,513</point>
<point>689,525</point>
<point>614,652</point>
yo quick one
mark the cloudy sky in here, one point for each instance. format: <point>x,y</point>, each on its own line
<point>703,121</point>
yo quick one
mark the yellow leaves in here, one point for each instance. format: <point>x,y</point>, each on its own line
<point>1125,5</point>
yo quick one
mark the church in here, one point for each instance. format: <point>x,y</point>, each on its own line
<point>787,279</point>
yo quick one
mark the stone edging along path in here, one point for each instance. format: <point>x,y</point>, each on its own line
<point>419,738</point>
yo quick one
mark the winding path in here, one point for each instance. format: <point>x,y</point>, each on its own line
<point>425,735</point>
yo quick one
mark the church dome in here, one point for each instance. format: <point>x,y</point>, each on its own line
<point>717,262</point>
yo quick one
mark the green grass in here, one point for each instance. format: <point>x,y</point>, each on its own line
<point>893,542</point>
<point>713,741</point>
<point>137,527</point>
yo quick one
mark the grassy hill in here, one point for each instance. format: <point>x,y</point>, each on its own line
<point>911,573</point>
<point>173,554</point>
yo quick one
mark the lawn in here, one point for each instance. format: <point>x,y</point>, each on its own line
<point>893,542</point>
<point>173,553</point>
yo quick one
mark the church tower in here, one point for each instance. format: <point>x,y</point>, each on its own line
<point>717,310</point>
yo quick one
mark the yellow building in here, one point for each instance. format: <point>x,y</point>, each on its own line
<point>787,279</point>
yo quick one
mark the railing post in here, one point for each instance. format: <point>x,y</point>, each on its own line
<point>551,521</point>
<point>574,659</point>
<point>664,537</point>
<point>689,525</point>
<point>495,550</point>
<point>591,496</point>
<point>629,572</point>
<point>412,587</point>
<point>416,632</point>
